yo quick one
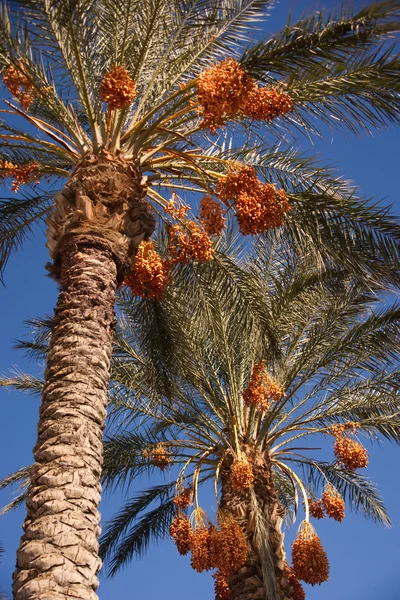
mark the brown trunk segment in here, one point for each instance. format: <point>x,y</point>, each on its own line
<point>98,221</point>
<point>247,583</point>
<point>58,555</point>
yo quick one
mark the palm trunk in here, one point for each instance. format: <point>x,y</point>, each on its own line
<point>92,235</point>
<point>263,576</point>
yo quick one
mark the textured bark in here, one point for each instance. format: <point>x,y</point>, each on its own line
<point>58,555</point>
<point>99,219</point>
<point>248,582</point>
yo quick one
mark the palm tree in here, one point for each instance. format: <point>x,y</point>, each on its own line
<point>120,98</point>
<point>251,418</point>
<point>204,411</point>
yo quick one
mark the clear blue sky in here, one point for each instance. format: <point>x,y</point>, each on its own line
<point>365,560</point>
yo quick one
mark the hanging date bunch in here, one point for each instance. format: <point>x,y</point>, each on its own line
<point>297,589</point>
<point>226,91</point>
<point>21,174</point>
<point>262,389</point>
<point>150,276</point>
<point>181,532</point>
<point>310,562</point>
<point>18,84</point>
<point>183,498</point>
<point>333,503</point>
<point>258,206</point>
<point>189,242</point>
<point>348,452</point>
<point>241,475</point>
<point>202,544</point>
<point>117,88</point>
<point>316,508</point>
<point>223,547</point>
<point>230,546</point>
<point>211,215</point>
<point>158,456</point>
<point>221,587</point>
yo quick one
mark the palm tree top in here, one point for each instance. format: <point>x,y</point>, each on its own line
<point>143,85</point>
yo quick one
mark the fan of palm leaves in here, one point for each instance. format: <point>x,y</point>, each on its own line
<point>340,70</point>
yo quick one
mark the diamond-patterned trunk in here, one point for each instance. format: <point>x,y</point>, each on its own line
<point>263,576</point>
<point>99,219</point>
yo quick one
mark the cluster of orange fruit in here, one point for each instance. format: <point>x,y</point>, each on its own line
<point>339,429</point>
<point>189,243</point>
<point>297,589</point>
<point>184,498</point>
<point>310,562</point>
<point>150,274</point>
<point>258,206</point>
<point>331,503</point>
<point>211,215</point>
<point>226,91</point>
<point>181,532</point>
<point>350,454</point>
<point>316,508</point>
<point>223,548</point>
<point>221,587</point>
<point>18,84</point>
<point>262,389</point>
<point>117,88</point>
<point>175,209</point>
<point>242,476</point>
<point>158,456</point>
<point>21,174</point>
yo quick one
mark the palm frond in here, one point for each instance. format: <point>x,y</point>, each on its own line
<point>17,217</point>
<point>23,382</point>
<point>357,489</point>
<point>37,346</point>
<point>317,41</point>
<point>124,458</point>
<point>137,532</point>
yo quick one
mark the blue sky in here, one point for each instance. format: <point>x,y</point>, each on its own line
<point>364,557</point>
